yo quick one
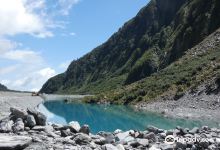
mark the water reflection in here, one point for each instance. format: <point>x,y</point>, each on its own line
<point>109,118</point>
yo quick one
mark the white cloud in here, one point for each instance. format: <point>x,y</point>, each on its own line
<point>8,69</point>
<point>26,69</point>
<point>66,5</point>
<point>20,16</point>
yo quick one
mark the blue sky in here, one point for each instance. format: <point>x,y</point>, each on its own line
<point>46,35</point>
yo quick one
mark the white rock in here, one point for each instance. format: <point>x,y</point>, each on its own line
<point>74,125</point>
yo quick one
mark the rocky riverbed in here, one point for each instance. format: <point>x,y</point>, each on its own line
<point>28,129</point>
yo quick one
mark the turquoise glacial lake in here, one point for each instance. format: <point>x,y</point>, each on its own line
<point>112,117</point>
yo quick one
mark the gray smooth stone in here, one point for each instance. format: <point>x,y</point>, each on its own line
<point>14,142</point>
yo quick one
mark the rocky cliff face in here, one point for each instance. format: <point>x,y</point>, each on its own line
<point>157,37</point>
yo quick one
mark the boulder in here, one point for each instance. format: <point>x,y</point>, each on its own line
<point>117,131</point>
<point>143,142</point>
<point>153,129</point>
<point>39,128</point>
<point>150,136</point>
<point>30,121</point>
<point>14,142</point>
<point>18,125</point>
<point>100,141</point>
<point>194,130</point>
<point>74,126</point>
<point>82,138</point>
<point>109,147</point>
<point>109,137</point>
<point>65,133</point>
<point>85,129</point>
<point>6,126</point>
<point>122,136</point>
<point>120,147</point>
<point>18,113</point>
<point>39,117</point>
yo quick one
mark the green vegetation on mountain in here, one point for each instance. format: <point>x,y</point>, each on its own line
<point>145,57</point>
<point>3,88</point>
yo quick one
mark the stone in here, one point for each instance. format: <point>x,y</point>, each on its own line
<point>18,113</point>
<point>143,142</point>
<point>134,143</point>
<point>85,129</point>
<point>122,136</point>
<point>181,145</point>
<point>39,128</point>
<point>40,118</point>
<point>194,130</point>
<point>150,136</point>
<point>109,147</point>
<point>100,141</point>
<point>65,133</point>
<point>74,126</point>
<point>154,147</point>
<point>163,135</point>
<point>205,128</point>
<point>30,121</point>
<point>169,132</point>
<point>153,129</point>
<point>120,147</point>
<point>18,125</point>
<point>14,142</point>
<point>117,131</point>
<point>204,143</point>
<point>82,138</point>
<point>109,137</point>
<point>6,126</point>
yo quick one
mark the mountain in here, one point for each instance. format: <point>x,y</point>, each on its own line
<point>3,88</point>
<point>155,39</point>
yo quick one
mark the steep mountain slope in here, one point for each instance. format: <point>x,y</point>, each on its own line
<point>199,66</point>
<point>3,88</point>
<point>158,36</point>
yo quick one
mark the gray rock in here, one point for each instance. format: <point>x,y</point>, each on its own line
<point>74,126</point>
<point>150,136</point>
<point>109,147</point>
<point>65,133</point>
<point>109,137</point>
<point>181,145</point>
<point>153,129</point>
<point>169,132</point>
<point>18,126</point>
<point>120,147</point>
<point>100,141</point>
<point>39,117</point>
<point>30,121</point>
<point>14,142</point>
<point>117,131</point>
<point>39,128</point>
<point>85,129</point>
<point>194,130</point>
<point>6,126</point>
<point>205,128</point>
<point>204,144</point>
<point>122,136</point>
<point>134,143</point>
<point>167,147</point>
<point>82,138</point>
<point>143,142</point>
<point>18,113</point>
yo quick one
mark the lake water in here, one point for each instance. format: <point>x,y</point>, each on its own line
<point>112,117</point>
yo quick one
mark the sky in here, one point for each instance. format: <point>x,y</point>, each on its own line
<point>40,38</point>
